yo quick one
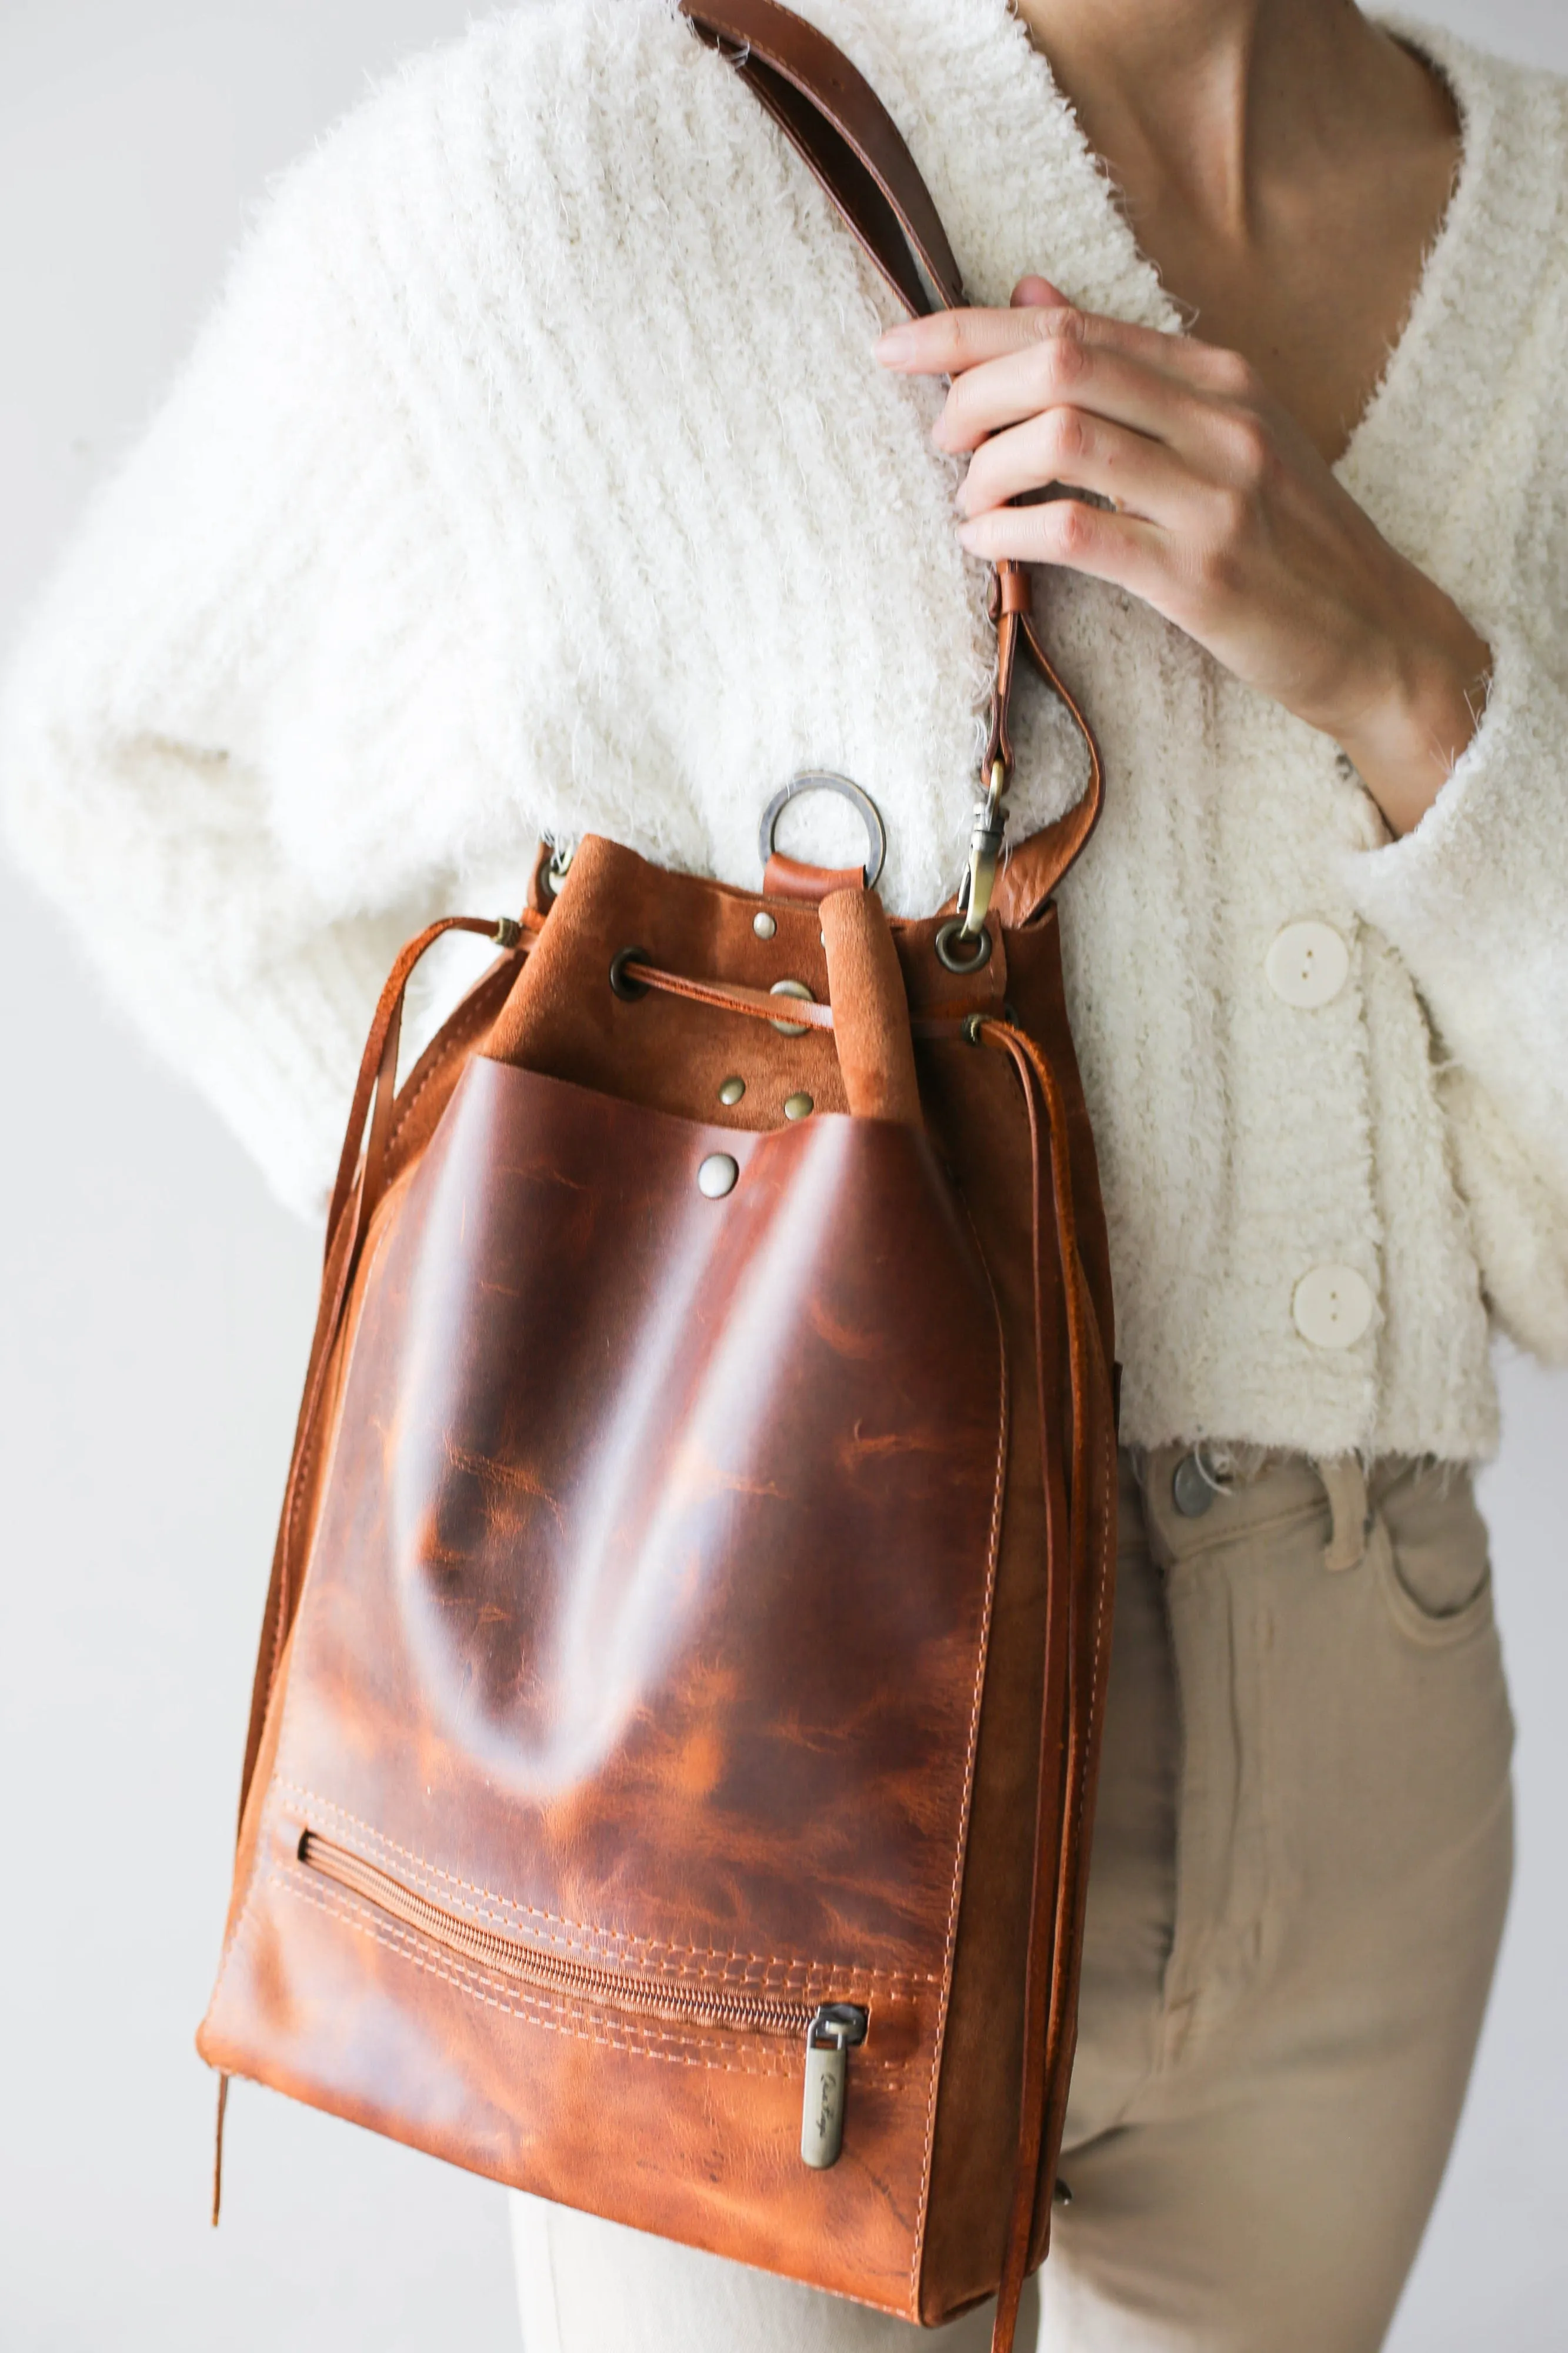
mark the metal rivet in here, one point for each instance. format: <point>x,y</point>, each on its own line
<point>764,925</point>
<point>792,988</point>
<point>717,1175</point>
<point>798,1107</point>
<point>731,1091</point>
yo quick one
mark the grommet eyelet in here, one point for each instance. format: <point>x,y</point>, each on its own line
<point>628,991</point>
<point>971,1023</point>
<point>946,940</point>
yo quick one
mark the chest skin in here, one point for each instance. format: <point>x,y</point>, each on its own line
<point>1304,258</point>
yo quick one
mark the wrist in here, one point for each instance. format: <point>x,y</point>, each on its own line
<point>1405,739</point>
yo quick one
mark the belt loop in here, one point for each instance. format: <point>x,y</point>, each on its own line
<point>1344,1484</point>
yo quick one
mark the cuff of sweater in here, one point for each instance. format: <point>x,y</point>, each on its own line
<point>1483,871</point>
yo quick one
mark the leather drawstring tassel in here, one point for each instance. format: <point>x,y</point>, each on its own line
<point>217,2148</point>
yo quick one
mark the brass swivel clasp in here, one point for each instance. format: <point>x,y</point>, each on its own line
<point>984,852</point>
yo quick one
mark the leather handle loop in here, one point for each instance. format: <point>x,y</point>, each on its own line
<point>378,1067</point>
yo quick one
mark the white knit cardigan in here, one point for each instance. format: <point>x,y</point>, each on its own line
<point>534,473</point>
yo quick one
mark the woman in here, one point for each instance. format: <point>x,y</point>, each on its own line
<point>537,473</point>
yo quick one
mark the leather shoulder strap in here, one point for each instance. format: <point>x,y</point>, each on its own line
<point>829,112</point>
<point>832,116</point>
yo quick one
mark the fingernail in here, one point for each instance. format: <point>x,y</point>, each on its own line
<point>897,345</point>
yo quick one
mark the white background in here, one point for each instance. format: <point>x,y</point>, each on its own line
<point>154,1310</point>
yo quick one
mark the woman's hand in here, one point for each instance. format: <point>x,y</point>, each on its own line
<point>1223,516</point>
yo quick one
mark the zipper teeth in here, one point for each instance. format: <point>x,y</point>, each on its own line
<point>615,1988</point>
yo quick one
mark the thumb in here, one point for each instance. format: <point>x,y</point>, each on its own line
<point>1036,293</point>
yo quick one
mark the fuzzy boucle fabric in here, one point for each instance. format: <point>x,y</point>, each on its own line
<point>533,473</point>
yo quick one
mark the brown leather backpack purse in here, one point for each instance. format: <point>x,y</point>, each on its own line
<point>670,1771</point>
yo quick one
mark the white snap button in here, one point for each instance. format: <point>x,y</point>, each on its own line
<point>717,1175</point>
<point>1332,1306</point>
<point>1307,965</point>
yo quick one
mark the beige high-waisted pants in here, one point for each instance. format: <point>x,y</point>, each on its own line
<point>1301,1862</point>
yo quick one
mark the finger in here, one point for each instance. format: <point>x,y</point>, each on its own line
<point>1082,452</point>
<point>1127,550</point>
<point>949,342</point>
<point>1036,293</point>
<point>1070,372</point>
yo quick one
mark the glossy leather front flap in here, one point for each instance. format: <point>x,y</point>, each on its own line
<point>645,1622</point>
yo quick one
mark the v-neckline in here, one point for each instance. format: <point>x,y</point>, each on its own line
<point>1021,189</point>
<point>1437,267</point>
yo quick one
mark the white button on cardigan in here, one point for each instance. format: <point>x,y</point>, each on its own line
<point>1332,1306</point>
<point>1307,965</point>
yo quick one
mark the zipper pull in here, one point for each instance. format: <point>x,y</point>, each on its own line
<point>833,2033</point>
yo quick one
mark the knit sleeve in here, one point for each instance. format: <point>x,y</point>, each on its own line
<point>1475,900</point>
<point>225,735</point>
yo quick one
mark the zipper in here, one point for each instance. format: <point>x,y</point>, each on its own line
<point>829,2030</point>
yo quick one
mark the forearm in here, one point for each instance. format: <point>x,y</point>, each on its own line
<point>1406,740</point>
<point>1474,900</point>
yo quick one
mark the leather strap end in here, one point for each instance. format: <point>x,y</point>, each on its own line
<point>217,2148</point>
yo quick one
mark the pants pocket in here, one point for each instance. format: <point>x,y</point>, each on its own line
<point>1429,1547</point>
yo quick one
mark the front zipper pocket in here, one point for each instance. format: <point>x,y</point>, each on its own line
<point>829,2031</point>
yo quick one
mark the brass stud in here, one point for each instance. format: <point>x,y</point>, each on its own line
<point>792,988</point>
<point>764,925</point>
<point>731,1091</point>
<point>798,1107</point>
<point>717,1175</point>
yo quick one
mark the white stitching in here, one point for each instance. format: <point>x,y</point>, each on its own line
<point>554,2018</point>
<point>594,1938</point>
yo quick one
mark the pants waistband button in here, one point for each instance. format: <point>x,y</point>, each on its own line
<point>1191,1491</point>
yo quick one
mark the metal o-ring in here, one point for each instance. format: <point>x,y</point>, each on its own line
<point>823,780</point>
<point>952,931</point>
<point>626,990</point>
